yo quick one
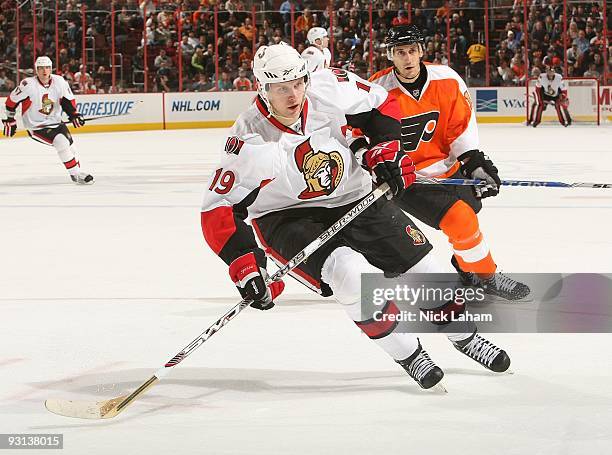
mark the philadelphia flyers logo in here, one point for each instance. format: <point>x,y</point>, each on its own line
<point>417,129</point>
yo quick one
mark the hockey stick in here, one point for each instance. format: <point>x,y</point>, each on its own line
<point>69,122</point>
<point>477,182</point>
<point>110,408</point>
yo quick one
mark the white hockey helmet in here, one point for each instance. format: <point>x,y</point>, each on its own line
<point>277,63</point>
<point>316,33</point>
<point>43,60</point>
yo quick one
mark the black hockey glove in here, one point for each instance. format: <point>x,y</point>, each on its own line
<point>77,120</point>
<point>388,163</point>
<point>10,126</point>
<point>251,282</point>
<point>476,165</point>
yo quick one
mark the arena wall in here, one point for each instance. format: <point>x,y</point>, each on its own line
<point>154,111</point>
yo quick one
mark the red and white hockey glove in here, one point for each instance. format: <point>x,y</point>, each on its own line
<point>77,120</point>
<point>251,282</point>
<point>10,126</point>
<point>387,162</point>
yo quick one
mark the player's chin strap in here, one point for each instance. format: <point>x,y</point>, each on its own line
<point>532,183</point>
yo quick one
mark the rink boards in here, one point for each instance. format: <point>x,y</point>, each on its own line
<point>155,111</point>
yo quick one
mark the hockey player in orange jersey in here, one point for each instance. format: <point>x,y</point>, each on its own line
<point>440,134</point>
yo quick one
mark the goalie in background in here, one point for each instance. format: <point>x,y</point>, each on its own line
<point>550,89</point>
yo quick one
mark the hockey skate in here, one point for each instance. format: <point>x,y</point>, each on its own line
<point>82,178</point>
<point>422,369</point>
<point>484,352</point>
<point>503,286</point>
<point>499,285</point>
<point>466,278</point>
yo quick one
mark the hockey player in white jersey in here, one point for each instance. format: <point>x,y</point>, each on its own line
<point>317,54</point>
<point>290,171</point>
<point>43,98</point>
<point>550,89</point>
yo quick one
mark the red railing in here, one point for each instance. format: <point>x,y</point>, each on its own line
<point>484,25</point>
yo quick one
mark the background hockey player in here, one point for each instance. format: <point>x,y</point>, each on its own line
<point>550,89</point>
<point>289,168</point>
<point>43,98</point>
<point>440,135</point>
<point>317,54</point>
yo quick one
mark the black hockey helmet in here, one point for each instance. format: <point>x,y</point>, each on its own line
<point>403,34</point>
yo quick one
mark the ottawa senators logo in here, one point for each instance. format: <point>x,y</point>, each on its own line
<point>47,105</point>
<point>417,129</point>
<point>417,236</point>
<point>322,171</point>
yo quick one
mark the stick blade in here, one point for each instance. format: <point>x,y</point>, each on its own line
<point>85,409</point>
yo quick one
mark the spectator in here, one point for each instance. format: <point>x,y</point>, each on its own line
<point>592,71</point>
<point>513,42</point>
<point>505,72</point>
<point>186,48</point>
<point>304,23</point>
<point>401,19</point>
<point>247,30</point>
<point>246,54</point>
<point>198,60</point>
<point>518,68</point>
<point>241,83</point>
<point>162,59</point>
<point>477,57</point>
<point>225,84</point>
<point>581,42</point>
<point>203,84</point>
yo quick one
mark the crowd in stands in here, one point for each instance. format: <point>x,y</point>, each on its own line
<point>178,37</point>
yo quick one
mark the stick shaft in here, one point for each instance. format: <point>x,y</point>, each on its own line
<point>236,309</point>
<point>293,263</point>
<point>531,183</point>
<point>68,122</point>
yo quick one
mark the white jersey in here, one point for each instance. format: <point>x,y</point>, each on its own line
<point>310,165</point>
<point>551,88</point>
<point>40,105</point>
<point>316,58</point>
<point>268,167</point>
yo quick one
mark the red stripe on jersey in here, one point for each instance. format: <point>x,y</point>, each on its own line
<point>390,107</point>
<point>25,105</point>
<point>279,258</point>
<point>218,226</point>
<point>10,104</point>
<point>72,163</point>
<point>380,328</point>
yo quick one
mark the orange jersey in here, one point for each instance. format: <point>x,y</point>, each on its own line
<point>441,125</point>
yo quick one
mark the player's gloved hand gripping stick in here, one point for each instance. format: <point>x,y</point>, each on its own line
<point>110,408</point>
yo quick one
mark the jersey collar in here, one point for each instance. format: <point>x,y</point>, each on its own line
<point>45,86</point>
<point>264,111</point>
<point>407,92</point>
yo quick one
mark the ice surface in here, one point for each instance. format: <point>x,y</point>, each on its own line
<point>100,285</point>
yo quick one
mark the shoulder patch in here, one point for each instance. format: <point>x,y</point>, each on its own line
<point>233,145</point>
<point>340,74</point>
<point>467,97</point>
